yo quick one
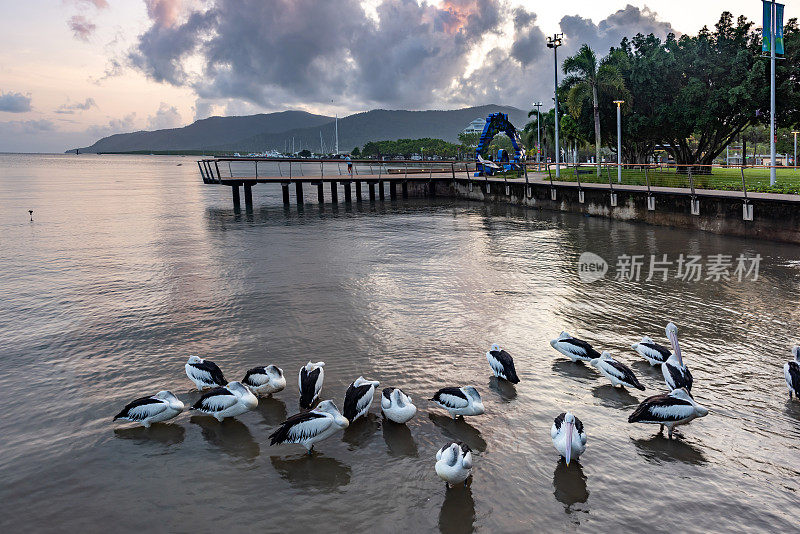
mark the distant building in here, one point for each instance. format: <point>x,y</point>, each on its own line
<point>475,127</point>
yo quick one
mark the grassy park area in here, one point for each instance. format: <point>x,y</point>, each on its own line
<point>727,178</point>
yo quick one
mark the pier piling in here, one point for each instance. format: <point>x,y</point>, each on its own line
<point>347,193</point>
<point>372,191</point>
<point>393,190</point>
<point>380,191</point>
<point>320,193</point>
<point>299,191</point>
<point>285,188</point>
<point>358,191</point>
<point>405,189</point>
<point>334,193</point>
<point>236,201</point>
<point>248,197</point>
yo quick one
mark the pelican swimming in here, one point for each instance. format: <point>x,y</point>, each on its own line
<point>454,463</point>
<point>153,409</point>
<point>459,401</point>
<point>791,370</point>
<point>676,374</point>
<point>573,348</point>
<point>397,406</point>
<point>619,373</point>
<point>502,364</point>
<point>310,381</point>
<point>358,398</point>
<point>204,373</point>
<point>668,410</point>
<point>568,435</point>
<point>265,380</point>
<point>654,353</point>
<point>229,401</point>
<point>307,428</point>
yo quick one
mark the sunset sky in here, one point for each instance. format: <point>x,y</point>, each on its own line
<point>72,71</point>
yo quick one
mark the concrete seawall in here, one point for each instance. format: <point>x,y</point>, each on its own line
<point>774,216</point>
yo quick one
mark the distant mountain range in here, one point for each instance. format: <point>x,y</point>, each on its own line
<point>274,131</point>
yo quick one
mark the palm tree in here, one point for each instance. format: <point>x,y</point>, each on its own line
<point>584,75</point>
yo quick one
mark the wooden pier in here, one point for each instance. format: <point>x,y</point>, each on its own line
<point>333,175</point>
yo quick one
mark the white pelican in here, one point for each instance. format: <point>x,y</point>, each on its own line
<point>791,370</point>
<point>676,374</point>
<point>569,439</point>
<point>668,410</point>
<point>307,428</point>
<point>454,463</point>
<point>573,348</point>
<point>204,373</point>
<point>619,373</point>
<point>310,381</point>
<point>654,353</point>
<point>397,406</point>
<point>502,364</point>
<point>229,401</point>
<point>358,398</point>
<point>459,401</point>
<point>265,380</point>
<point>153,409</point>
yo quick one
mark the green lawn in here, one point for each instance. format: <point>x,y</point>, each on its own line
<point>756,178</point>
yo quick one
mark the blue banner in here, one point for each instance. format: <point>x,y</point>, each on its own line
<point>767,27</point>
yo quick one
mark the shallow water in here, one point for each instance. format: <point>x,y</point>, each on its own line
<point>131,265</point>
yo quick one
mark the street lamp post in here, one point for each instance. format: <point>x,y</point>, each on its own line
<point>619,139</point>
<point>554,42</point>
<point>539,135</point>
<point>772,36</point>
<point>794,160</point>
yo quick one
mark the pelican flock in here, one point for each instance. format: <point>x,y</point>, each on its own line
<point>454,462</point>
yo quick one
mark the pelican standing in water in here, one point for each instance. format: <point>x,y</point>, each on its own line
<point>791,370</point>
<point>307,428</point>
<point>619,373</point>
<point>654,353</point>
<point>229,401</point>
<point>668,410</point>
<point>397,406</point>
<point>568,436</point>
<point>310,382</point>
<point>454,464</point>
<point>153,409</point>
<point>502,364</point>
<point>459,401</point>
<point>358,398</point>
<point>573,348</point>
<point>265,380</point>
<point>676,374</point>
<point>204,373</point>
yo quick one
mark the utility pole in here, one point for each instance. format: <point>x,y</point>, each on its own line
<point>337,134</point>
<point>773,32</point>
<point>795,149</point>
<point>554,42</point>
<point>538,135</point>
<point>619,140</point>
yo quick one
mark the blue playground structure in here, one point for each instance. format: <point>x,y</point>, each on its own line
<point>496,123</point>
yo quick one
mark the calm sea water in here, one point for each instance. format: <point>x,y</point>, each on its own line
<point>131,265</point>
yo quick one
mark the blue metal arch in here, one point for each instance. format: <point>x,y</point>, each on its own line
<point>496,123</point>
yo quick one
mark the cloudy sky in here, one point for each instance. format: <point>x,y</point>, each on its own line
<point>72,71</point>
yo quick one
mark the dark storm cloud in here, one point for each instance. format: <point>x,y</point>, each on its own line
<point>286,53</point>
<point>14,102</point>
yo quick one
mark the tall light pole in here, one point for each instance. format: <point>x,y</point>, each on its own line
<point>772,29</point>
<point>539,134</point>
<point>554,42</point>
<point>619,139</point>
<point>795,149</point>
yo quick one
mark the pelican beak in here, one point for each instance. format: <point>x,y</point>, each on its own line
<point>674,339</point>
<point>569,442</point>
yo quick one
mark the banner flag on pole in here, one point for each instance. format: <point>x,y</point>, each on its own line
<point>766,32</point>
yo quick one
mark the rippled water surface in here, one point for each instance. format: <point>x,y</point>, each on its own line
<point>132,264</point>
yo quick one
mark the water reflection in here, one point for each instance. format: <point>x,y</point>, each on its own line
<point>504,388</point>
<point>361,430</point>
<point>230,436</point>
<point>459,430</point>
<point>641,367</point>
<point>660,448</point>
<point>272,410</point>
<point>166,433</point>
<point>457,515</point>
<point>571,369</point>
<point>312,471</point>
<point>569,485</point>
<point>398,439</point>
<point>614,397</point>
